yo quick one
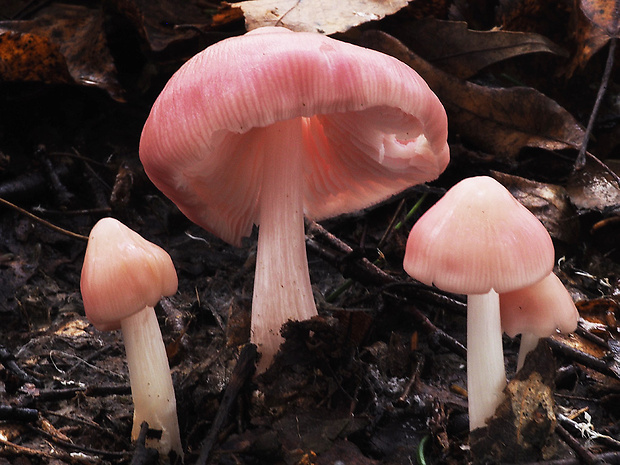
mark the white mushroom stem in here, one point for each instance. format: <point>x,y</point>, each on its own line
<point>282,289</point>
<point>151,383</point>
<point>529,341</point>
<point>486,375</point>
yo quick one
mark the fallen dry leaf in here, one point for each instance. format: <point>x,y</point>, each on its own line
<point>547,18</point>
<point>63,43</point>
<point>462,51</point>
<point>581,25</point>
<point>548,202</point>
<point>589,37</point>
<point>29,58</point>
<point>500,121</point>
<point>604,14</point>
<point>599,316</point>
<point>163,23</point>
<point>324,16</point>
<point>594,188</point>
<point>596,21</point>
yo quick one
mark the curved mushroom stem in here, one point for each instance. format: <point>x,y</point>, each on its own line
<point>486,375</point>
<point>529,341</point>
<point>151,383</point>
<point>282,289</point>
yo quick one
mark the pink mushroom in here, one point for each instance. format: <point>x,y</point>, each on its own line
<point>536,311</point>
<point>123,278</point>
<point>480,241</point>
<point>266,127</point>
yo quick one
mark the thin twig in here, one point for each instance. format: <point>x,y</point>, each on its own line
<point>46,395</point>
<point>581,158</point>
<point>242,372</point>
<point>586,430</point>
<point>604,166</point>
<point>144,455</point>
<point>385,278</point>
<point>43,222</point>
<point>586,457</point>
<point>369,272</point>
<point>13,413</point>
<point>87,450</point>
<point>53,453</point>
<point>582,358</point>
<point>391,225</point>
<point>439,335</point>
<point>9,361</point>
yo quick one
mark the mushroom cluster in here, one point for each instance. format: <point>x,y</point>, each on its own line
<point>274,125</point>
<point>480,241</point>
<point>268,127</point>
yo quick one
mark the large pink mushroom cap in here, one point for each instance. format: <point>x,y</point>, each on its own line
<point>371,127</point>
<point>266,127</point>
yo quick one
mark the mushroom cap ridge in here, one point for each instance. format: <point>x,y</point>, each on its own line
<point>371,126</point>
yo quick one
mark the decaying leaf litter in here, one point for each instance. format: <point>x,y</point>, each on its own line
<point>381,372</point>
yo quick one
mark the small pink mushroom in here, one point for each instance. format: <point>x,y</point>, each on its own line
<point>480,241</point>
<point>536,311</point>
<point>123,278</point>
<point>266,127</point>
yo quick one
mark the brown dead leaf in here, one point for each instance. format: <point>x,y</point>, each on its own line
<point>580,344</point>
<point>463,52</point>
<point>604,14</point>
<point>63,43</point>
<point>227,15</point>
<point>584,24</point>
<point>589,37</point>
<point>594,188</point>
<point>163,23</point>
<point>545,17</point>
<point>29,57</point>
<point>324,16</point>
<point>500,121</point>
<point>548,202</point>
<point>599,316</point>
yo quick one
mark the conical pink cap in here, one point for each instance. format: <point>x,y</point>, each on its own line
<point>478,237</point>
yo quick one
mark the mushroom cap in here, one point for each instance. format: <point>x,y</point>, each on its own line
<point>540,309</point>
<point>478,237</point>
<point>371,127</point>
<point>122,274</point>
